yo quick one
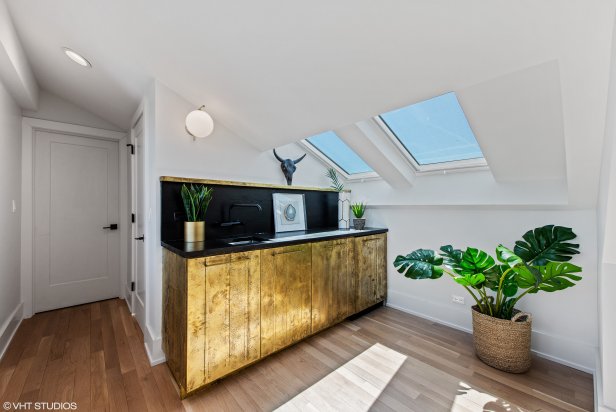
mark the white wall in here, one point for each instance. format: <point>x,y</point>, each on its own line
<point>606,219</point>
<point>171,151</point>
<point>10,170</point>
<point>57,109</point>
<point>564,323</point>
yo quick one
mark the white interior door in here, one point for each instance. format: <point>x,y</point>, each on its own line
<point>76,252</point>
<point>139,297</point>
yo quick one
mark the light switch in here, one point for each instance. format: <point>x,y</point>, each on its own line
<point>14,206</point>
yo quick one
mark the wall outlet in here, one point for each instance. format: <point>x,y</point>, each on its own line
<point>457,299</point>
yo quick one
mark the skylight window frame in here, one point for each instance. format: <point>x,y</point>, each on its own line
<point>451,166</point>
<point>353,177</point>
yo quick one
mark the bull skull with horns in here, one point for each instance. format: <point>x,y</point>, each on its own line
<point>288,166</point>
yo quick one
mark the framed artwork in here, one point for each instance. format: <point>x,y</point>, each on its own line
<point>289,212</point>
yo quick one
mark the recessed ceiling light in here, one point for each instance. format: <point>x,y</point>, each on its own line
<point>76,57</point>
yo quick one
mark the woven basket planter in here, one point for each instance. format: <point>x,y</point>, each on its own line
<point>503,344</point>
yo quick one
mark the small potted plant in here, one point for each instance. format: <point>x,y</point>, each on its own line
<point>196,199</point>
<point>358,211</point>
<point>538,263</point>
<point>344,198</point>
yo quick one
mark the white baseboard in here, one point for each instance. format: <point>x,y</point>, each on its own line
<point>153,346</point>
<point>9,327</point>
<point>563,350</point>
<point>128,297</point>
<point>154,349</point>
<point>600,406</point>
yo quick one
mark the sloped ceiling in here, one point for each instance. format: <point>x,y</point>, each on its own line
<point>518,121</point>
<point>278,71</point>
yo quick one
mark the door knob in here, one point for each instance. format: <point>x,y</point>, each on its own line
<point>140,238</point>
<point>113,226</point>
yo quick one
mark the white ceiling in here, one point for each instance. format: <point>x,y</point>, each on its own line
<point>278,71</point>
<point>518,121</point>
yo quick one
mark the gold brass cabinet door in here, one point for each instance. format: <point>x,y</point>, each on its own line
<point>369,254</point>
<point>174,317</point>
<point>184,319</point>
<point>232,312</point>
<point>332,283</point>
<point>285,296</point>
<point>195,318</point>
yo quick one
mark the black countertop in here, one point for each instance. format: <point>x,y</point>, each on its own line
<point>220,247</point>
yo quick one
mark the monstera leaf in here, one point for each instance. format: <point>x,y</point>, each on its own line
<point>493,276</point>
<point>475,261</point>
<point>509,286</point>
<point>452,258</point>
<point>528,274</point>
<point>555,276</point>
<point>420,264</point>
<point>508,257</point>
<point>471,280</point>
<point>545,244</point>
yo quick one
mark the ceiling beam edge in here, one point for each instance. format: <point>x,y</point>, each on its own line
<point>375,149</point>
<point>15,71</point>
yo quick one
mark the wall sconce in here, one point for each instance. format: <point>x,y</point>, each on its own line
<point>199,123</point>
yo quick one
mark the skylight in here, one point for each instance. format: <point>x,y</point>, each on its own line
<point>334,149</point>
<point>434,131</point>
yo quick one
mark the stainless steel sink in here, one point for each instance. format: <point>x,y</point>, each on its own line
<point>246,240</point>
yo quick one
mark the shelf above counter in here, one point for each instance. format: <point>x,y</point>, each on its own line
<point>176,179</point>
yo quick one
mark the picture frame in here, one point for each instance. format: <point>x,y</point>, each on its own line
<point>289,212</point>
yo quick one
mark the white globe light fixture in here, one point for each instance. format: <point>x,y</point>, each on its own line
<point>199,123</point>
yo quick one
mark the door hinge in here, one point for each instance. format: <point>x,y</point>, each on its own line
<point>132,286</point>
<point>132,148</point>
<point>132,218</point>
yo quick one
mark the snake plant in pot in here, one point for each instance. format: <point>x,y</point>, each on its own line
<point>538,263</point>
<point>358,210</point>
<point>196,199</point>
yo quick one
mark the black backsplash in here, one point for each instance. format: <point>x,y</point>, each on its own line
<point>321,210</point>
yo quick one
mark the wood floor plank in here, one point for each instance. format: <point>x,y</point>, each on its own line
<point>99,395</point>
<point>60,333</point>
<point>134,394</point>
<point>35,377</point>
<point>47,391</point>
<point>94,355</point>
<point>116,390</point>
<point>108,334</point>
<point>65,385</point>
<point>82,390</point>
<point>17,380</point>
<point>125,356</point>
<point>167,388</point>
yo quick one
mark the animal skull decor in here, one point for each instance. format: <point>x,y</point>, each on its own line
<point>288,166</point>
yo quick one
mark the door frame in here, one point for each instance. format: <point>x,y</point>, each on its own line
<point>136,305</point>
<point>29,126</point>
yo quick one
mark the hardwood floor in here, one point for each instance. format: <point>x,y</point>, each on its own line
<point>93,355</point>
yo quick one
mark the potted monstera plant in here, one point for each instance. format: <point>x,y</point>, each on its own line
<point>538,263</point>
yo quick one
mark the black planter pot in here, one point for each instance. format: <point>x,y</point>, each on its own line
<point>359,224</point>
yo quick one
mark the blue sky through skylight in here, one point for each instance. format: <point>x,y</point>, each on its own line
<point>434,131</point>
<point>338,152</point>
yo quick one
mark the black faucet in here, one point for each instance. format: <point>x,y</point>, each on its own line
<point>238,222</point>
<point>258,206</point>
